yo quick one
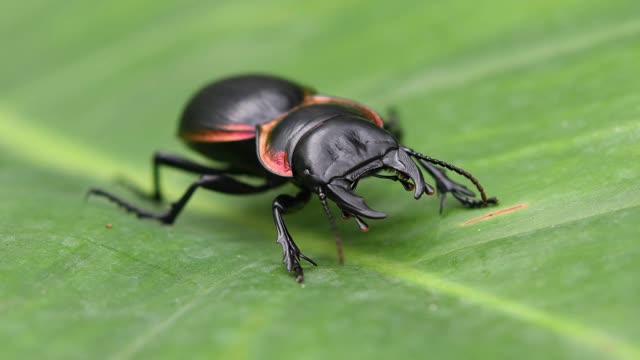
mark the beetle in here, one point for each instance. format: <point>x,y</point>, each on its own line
<point>281,132</point>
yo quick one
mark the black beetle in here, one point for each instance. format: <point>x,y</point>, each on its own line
<point>274,129</point>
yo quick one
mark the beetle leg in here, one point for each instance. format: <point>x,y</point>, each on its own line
<point>173,161</point>
<point>392,124</point>
<point>459,191</point>
<point>284,204</point>
<point>219,183</point>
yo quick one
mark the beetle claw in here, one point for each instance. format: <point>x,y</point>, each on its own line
<point>473,203</point>
<point>291,259</point>
<point>462,190</point>
<point>303,256</point>
<point>461,193</point>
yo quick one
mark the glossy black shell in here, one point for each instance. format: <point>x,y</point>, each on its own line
<point>242,100</point>
<point>232,103</point>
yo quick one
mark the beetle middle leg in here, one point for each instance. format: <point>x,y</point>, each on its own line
<point>284,204</point>
<point>220,183</point>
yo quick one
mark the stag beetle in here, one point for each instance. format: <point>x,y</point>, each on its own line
<point>277,130</point>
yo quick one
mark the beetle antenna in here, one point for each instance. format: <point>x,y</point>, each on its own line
<point>450,167</point>
<point>334,228</point>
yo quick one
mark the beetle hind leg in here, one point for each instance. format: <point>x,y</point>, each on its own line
<point>167,217</point>
<point>141,213</point>
<point>165,159</point>
<point>219,183</point>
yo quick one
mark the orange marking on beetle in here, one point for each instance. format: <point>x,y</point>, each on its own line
<point>237,127</point>
<point>279,158</point>
<point>496,213</point>
<point>323,99</point>
<point>275,162</point>
<point>219,136</point>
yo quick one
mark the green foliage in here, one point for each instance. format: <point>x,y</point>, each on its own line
<point>541,101</point>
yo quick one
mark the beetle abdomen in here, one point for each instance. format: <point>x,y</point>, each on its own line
<point>230,109</point>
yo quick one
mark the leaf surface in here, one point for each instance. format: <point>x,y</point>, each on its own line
<point>540,101</point>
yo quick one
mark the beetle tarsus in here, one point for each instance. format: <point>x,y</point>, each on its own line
<point>474,203</point>
<point>291,258</point>
<point>140,213</point>
<point>285,204</point>
<point>458,191</point>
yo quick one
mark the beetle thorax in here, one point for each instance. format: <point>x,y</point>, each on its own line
<point>338,148</point>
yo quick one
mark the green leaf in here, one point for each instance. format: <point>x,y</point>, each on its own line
<point>541,101</point>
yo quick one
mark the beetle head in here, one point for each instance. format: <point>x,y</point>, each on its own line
<point>332,158</point>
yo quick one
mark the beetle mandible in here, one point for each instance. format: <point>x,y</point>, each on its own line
<point>279,131</point>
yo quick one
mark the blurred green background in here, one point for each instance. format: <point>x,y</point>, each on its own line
<point>540,100</point>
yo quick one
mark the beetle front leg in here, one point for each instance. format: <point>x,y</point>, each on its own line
<point>284,204</point>
<point>459,191</point>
